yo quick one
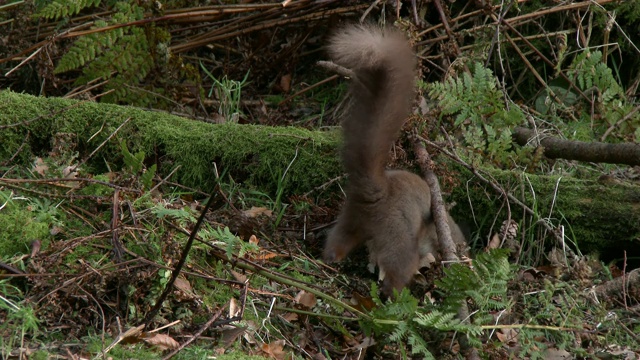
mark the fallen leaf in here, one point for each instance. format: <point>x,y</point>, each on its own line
<point>162,341</point>
<point>274,350</point>
<point>557,354</point>
<point>40,167</point>
<point>131,336</point>
<point>507,336</point>
<point>494,243</point>
<point>35,248</point>
<point>231,333</point>
<point>290,317</point>
<point>285,83</point>
<point>365,343</point>
<point>256,211</point>
<point>362,302</point>
<point>182,284</point>
<point>305,299</point>
<point>234,309</point>
<point>265,255</point>
<point>238,277</point>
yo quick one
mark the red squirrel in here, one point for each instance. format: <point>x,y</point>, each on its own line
<point>388,210</point>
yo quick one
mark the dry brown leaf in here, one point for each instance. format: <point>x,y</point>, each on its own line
<point>290,317</point>
<point>35,248</point>
<point>132,336</point>
<point>285,83</point>
<point>249,335</point>
<point>162,341</point>
<point>274,350</point>
<point>231,333</point>
<point>182,284</point>
<point>363,344</point>
<point>40,167</point>
<point>256,211</point>
<point>361,302</point>
<point>234,309</point>
<point>508,336</point>
<point>494,243</point>
<point>238,277</point>
<point>423,106</point>
<point>305,299</point>
<point>265,255</point>
<point>318,356</point>
<point>557,354</point>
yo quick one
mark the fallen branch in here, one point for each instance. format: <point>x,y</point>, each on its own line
<point>438,210</point>
<point>445,241</point>
<point>630,283</point>
<point>554,148</point>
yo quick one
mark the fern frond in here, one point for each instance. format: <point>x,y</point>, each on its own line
<point>479,107</point>
<point>63,8</point>
<point>400,332</point>
<point>419,345</point>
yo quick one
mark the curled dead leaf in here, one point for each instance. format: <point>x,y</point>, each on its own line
<point>257,211</point>
<point>40,167</point>
<point>161,341</point>
<point>274,350</point>
<point>285,83</point>
<point>305,299</point>
<point>35,248</point>
<point>234,308</point>
<point>238,276</point>
<point>231,333</point>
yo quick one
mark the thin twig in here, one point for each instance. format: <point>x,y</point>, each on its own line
<point>101,145</point>
<point>197,334</point>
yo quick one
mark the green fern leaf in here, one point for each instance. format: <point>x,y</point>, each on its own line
<point>419,345</point>
<point>63,8</point>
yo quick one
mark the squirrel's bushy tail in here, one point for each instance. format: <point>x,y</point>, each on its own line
<point>382,92</point>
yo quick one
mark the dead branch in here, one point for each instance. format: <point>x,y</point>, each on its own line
<point>447,246</point>
<point>554,148</point>
<point>628,284</point>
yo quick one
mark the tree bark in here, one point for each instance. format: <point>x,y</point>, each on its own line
<point>554,148</point>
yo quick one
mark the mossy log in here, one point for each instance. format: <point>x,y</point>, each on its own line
<point>596,214</point>
<point>263,158</point>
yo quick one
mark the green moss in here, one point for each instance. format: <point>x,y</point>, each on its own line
<point>589,210</point>
<point>257,156</point>
<point>39,355</point>
<point>139,351</point>
<point>19,227</point>
<point>96,189</point>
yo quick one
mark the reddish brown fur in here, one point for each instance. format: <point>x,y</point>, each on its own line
<point>389,210</point>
